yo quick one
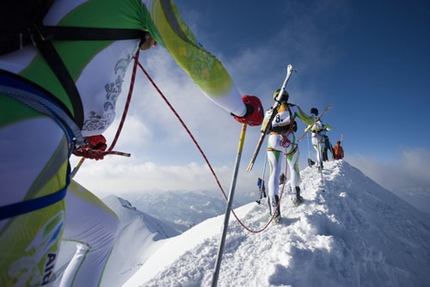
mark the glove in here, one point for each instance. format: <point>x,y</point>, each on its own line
<point>94,148</point>
<point>97,143</point>
<point>254,111</point>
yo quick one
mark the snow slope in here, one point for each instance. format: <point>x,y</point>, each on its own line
<point>349,232</point>
<point>184,209</point>
<point>140,236</point>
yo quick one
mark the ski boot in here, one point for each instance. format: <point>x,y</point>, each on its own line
<point>277,213</point>
<point>298,199</point>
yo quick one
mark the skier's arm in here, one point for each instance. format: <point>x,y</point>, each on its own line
<point>327,127</point>
<point>168,29</point>
<point>309,120</point>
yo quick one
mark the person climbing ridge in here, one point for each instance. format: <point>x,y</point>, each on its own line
<point>282,141</point>
<point>338,151</point>
<point>318,130</point>
<point>326,148</point>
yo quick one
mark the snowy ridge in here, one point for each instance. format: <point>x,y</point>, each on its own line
<point>140,236</point>
<point>355,233</point>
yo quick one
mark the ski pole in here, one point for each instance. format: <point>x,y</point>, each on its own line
<point>309,151</point>
<point>229,204</point>
<point>77,167</point>
<point>320,161</point>
<point>260,182</point>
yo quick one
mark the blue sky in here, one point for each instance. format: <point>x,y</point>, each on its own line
<point>369,59</point>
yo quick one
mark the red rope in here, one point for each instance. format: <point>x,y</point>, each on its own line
<point>127,103</point>
<point>203,154</point>
<point>184,125</point>
<point>87,152</point>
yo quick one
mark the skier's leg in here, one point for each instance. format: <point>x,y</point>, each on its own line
<point>293,166</point>
<point>317,146</point>
<point>33,169</point>
<point>275,164</point>
<point>94,226</point>
<point>320,152</point>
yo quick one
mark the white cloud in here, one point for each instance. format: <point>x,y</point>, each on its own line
<point>406,176</point>
<point>163,156</point>
<point>115,175</point>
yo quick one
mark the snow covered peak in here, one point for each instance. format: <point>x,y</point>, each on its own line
<point>349,232</point>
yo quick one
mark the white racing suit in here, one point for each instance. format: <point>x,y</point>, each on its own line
<point>318,142</point>
<point>39,204</point>
<point>282,142</point>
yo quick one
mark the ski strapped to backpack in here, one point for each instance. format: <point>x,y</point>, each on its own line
<point>21,25</point>
<point>274,110</point>
<point>316,119</point>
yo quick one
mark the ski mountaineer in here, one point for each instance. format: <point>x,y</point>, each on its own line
<point>338,151</point>
<point>40,204</point>
<point>282,141</point>
<point>318,130</point>
<point>326,148</point>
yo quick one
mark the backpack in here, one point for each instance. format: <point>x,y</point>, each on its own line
<point>281,129</point>
<point>21,25</point>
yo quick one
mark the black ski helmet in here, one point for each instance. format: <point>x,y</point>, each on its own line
<point>283,98</point>
<point>314,111</point>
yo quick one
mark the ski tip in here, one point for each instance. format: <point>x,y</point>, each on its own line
<point>249,167</point>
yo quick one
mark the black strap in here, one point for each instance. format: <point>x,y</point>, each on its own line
<point>57,65</point>
<point>86,33</point>
<point>63,33</point>
<point>42,37</point>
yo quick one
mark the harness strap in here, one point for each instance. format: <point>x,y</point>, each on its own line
<point>57,66</point>
<point>19,208</point>
<point>287,154</point>
<point>52,33</point>
<point>293,151</point>
<point>40,100</point>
